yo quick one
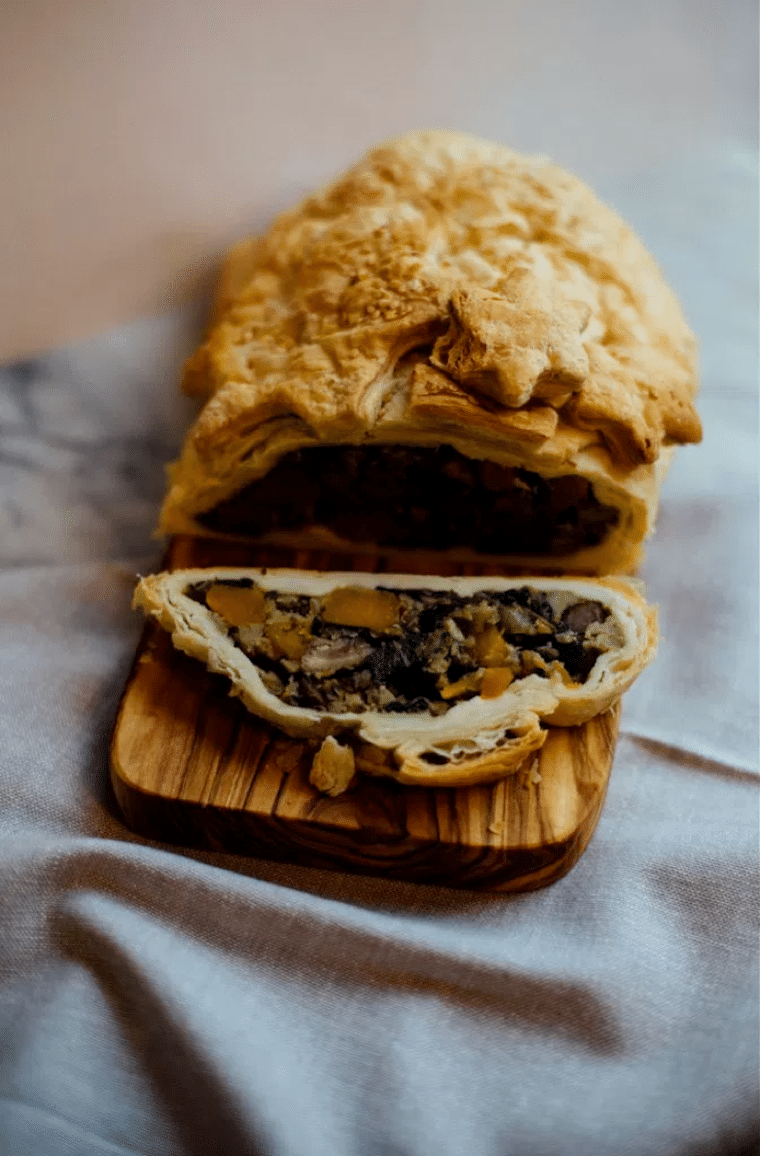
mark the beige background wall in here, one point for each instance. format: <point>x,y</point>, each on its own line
<point>138,138</point>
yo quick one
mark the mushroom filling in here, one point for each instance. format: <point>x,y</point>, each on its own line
<point>418,498</point>
<point>362,649</point>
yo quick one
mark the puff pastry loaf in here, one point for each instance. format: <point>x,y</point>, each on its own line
<point>432,681</point>
<point>445,307</point>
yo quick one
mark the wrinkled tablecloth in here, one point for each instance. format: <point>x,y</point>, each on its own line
<point>160,1001</point>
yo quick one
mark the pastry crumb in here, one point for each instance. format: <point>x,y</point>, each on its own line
<point>333,767</point>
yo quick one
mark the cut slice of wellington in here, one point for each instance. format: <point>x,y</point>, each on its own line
<point>432,681</point>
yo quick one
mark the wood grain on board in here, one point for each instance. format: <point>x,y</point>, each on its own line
<point>191,766</point>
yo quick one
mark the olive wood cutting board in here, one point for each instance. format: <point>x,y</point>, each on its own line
<point>191,766</point>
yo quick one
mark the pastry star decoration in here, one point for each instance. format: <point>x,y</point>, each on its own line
<point>520,343</point>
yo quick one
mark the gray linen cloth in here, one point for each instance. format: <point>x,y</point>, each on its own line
<point>160,1002</point>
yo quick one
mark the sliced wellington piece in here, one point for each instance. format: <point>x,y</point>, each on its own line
<point>434,681</point>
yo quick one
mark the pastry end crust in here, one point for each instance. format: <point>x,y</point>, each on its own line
<point>443,288</point>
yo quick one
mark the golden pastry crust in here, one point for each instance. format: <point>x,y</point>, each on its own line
<point>544,332</point>
<point>478,740</point>
<point>427,409</point>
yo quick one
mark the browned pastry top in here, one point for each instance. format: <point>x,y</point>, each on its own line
<point>530,300</point>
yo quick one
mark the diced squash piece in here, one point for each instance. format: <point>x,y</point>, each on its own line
<point>290,640</point>
<point>491,649</point>
<point>469,681</point>
<point>359,606</point>
<point>237,605</point>
<point>495,681</point>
